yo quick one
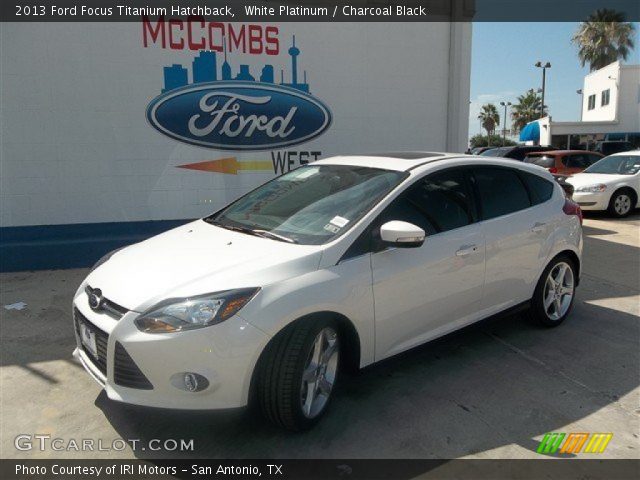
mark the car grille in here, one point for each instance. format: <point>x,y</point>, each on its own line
<point>126,373</point>
<point>106,305</point>
<point>102,338</point>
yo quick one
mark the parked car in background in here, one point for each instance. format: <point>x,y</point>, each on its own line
<point>479,150</point>
<point>340,263</point>
<point>612,183</point>
<point>515,153</point>
<point>610,147</point>
<point>563,162</point>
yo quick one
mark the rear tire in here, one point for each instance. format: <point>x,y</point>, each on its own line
<point>553,298</point>
<point>622,203</point>
<point>297,373</point>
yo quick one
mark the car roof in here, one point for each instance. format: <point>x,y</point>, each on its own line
<point>425,161</point>
<point>635,153</point>
<point>562,152</point>
<point>399,161</point>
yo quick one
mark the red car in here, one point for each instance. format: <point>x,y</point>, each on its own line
<point>563,162</point>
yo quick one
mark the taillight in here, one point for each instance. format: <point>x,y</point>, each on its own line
<point>553,170</point>
<point>572,208</point>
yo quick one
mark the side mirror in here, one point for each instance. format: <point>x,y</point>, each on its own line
<point>401,234</point>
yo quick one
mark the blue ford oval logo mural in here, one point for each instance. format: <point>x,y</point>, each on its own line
<point>239,115</point>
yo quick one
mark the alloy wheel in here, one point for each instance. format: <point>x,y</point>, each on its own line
<point>558,291</point>
<point>319,374</point>
<point>622,204</point>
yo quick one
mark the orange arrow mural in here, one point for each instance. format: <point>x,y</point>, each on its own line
<point>229,165</point>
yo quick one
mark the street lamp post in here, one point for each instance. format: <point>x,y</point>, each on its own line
<point>580,92</point>
<point>544,74</point>
<point>504,129</point>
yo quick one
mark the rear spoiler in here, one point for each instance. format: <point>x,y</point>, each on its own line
<point>567,187</point>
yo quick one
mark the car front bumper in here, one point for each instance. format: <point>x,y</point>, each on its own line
<point>591,200</point>
<point>225,354</point>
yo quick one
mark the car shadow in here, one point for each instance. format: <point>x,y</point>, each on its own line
<point>502,381</point>
<point>603,215</point>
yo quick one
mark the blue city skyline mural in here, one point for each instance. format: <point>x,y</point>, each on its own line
<point>204,68</point>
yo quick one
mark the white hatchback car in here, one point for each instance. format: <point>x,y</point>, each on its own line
<point>340,263</point>
<point>612,184</point>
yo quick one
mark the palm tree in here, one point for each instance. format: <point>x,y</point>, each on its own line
<point>604,38</point>
<point>489,118</point>
<point>526,109</point>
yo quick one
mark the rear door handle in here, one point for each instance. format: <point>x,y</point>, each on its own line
<point>465,250</point>
<point>538,227</point>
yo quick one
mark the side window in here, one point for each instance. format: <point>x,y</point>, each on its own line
<point>541,190</point>
<point>437,203</point>
<point>404,210</point>
<point>361,246</point>
<point>501,192</point>
<point>444,199</point>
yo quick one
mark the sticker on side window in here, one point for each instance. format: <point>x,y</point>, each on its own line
<point>339,221</point>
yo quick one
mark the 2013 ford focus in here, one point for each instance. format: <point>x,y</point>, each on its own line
<point>337,264</point>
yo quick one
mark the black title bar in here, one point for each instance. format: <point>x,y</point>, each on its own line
<point>343,469</point>
<point>313,10</point>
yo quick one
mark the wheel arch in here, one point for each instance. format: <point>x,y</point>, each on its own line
<point>626,188</point>
<point>574,258</point>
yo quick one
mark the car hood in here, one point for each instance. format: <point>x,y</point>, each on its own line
<point>194,259</point>
<point>584,179</point>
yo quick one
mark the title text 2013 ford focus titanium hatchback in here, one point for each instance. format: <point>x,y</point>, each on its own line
<point>340,263</point>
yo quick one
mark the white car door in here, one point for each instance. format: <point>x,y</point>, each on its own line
<point>516,222</point>
<point>421,293</point>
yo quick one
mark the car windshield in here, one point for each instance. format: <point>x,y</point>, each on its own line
<point>616,165</point>
<point>310,205</point>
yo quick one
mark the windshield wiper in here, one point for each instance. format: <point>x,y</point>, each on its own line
<point>253,231</point>
<point>275,236</point>
<point>226,226</point>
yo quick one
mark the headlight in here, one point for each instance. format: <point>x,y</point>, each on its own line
<point>592,188</point>
<point>176,315</point>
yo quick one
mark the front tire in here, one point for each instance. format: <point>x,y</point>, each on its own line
<point>621,203</point>
<point>554,295</point>
<point>298,372</point>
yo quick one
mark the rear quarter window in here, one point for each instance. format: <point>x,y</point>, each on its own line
<point>540,189</point>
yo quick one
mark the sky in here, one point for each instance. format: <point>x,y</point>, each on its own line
<point>502,67</point>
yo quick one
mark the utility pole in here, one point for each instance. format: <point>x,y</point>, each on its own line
<point>504,123</point>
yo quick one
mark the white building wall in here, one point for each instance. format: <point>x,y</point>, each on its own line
<point>76,146</point>
<point>629,107</point>
<point>594,84</point>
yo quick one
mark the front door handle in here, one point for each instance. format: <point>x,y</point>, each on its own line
<point>538,227</point>
<point>465,250</point>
